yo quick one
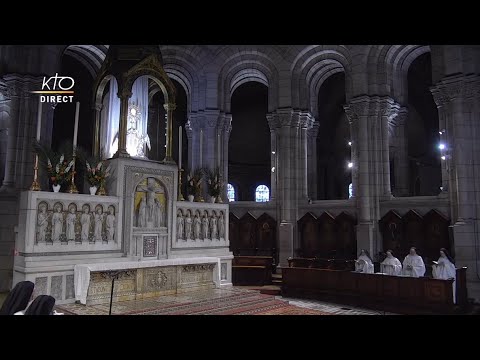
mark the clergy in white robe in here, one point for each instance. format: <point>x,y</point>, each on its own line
<point>364,263</point>
<point>413,264</point>
<point>391,265</point>
<point>445,269</point>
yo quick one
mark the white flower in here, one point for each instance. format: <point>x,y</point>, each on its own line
<point>99,166</point>
<point>69,166</point>
<point>88,166</point>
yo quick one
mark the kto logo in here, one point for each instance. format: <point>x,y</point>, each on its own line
<point>59,85</point>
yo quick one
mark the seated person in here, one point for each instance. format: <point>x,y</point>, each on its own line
<point>364,263</point>
<point>391,265</point>
<point>444,268</point>
<point>42,305</point>
<point>413,264</point>
<point>18,299</point>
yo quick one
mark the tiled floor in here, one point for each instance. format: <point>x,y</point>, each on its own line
<point>331,308</point>
<point>226,301</point>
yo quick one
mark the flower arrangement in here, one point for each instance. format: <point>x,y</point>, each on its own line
<point>97,174</point>
<point>194,182</point>
<point>60,173</point>
<point>214,183</point>
<point>57,165</point>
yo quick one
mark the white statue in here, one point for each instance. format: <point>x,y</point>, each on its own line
<point>160,217</point>
<point>180,225</point>
<point>57,223</point>
<point>213,227</point>
<point>85,221</point>
<point>205,226</point>
<point>197,227</point>
<point>364,263</point>
<point>97,234</point>
<point>221,226</point>
<point>188,226</point>
<point>142,214</point>
<point>391,265</point>
<point>71,220</point>
<point>110,224</point>
<point>413,264</point>
<point>42,223</point>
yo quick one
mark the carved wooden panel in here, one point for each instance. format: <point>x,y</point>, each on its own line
<point>233,232</point>
<point>436,234</point>
<point>346,237</point>
<point>247,234</point>
<point>309,244</point>
<point>327,235</point>
<point>266,232</point>
<point>391,227</point>
<point>413,234</point>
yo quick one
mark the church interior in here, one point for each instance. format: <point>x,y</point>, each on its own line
<point>239,179</point>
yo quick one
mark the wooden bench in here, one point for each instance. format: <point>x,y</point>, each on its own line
<point>252,270</point>
<point>395,294</point>
<point>318,263</point>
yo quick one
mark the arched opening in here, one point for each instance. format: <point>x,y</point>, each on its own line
<point>157,124</point>
<point>333,149</point>
<point>422,130</point>
<point>230,192</point>
<point>64,113</point>
<point>262,193</point>
<point>249,143</point>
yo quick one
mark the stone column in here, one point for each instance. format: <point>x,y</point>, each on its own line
<point>97,108</point>
<point>457,98</point>
<point>224,130</point>
<point>122,127</point>
<point>210,153</point>
<point>359,116</point>
<point>169,108</point>
<point>273,156</point>
<point>21,132</point>
<point>401,163</point>
<point>286,125</point>
<point>312,134</point>
<point>388,111</point>
<point>306,123</point>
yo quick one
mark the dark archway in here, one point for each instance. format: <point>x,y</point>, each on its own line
<point>333,150</point>
<point>249,143</point>
<point>64,113</point>
<point>422,130</point>
<point>157,125</point>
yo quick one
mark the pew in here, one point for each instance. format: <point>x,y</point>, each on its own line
<point>395,294</point>
<point>319,263</point>
<point>252,270</point>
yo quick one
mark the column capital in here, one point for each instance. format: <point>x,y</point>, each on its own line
<point>124,94</point>
<point>169,106</point>
<point>97,107</point>
<point>313,131</point>
<point>457,87</point>
<point>4,91</point>
<point>21,85</point>
<point>288,117</point>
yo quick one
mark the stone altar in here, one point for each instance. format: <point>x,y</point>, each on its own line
<point>135,224</point>
<point>145,279</point>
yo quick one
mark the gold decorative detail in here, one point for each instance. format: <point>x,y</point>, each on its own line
<point>101,190</point>
<point>35,184</point>
<point>180,195</point>
<point>73,188</point>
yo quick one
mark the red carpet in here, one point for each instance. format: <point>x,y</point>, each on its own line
<point>216,302</point>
